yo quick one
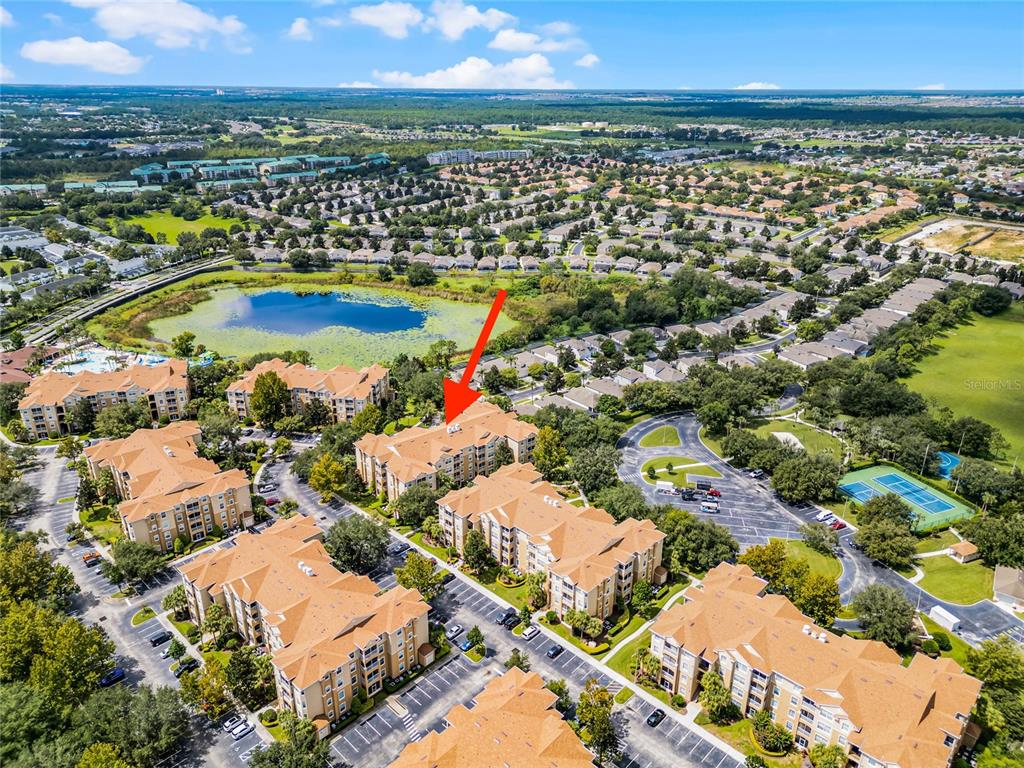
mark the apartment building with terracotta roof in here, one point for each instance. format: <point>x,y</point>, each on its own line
<point>50,397</point>
<point>823,688</point>
<point>589,559</point>
<point>513,723</point>
<point>330,635</point>
<point>345,391</point>
<point>168,490</point>
<point>462,450</point>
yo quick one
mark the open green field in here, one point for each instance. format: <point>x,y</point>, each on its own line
<point>682,467</point>
<point>975,373</point>
<point>819,563</point>
<point>813,440</point>
<point>659,437</point>
<point>947,579</point>
<point>172,226</point>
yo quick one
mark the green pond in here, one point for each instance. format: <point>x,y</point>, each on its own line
<point>350,325</point>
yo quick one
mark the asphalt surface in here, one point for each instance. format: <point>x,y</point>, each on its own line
<point>753,514</point>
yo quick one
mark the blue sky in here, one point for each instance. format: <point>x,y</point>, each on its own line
<point>457,44</point>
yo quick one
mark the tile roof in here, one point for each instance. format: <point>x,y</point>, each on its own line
<point>52,388</point>
<point>340,381</point>
<point>513,724</point>
<point>902,713</point>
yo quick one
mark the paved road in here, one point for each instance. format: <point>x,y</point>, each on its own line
<point>753,514</point>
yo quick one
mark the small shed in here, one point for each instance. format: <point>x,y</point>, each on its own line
<point>944,618</point>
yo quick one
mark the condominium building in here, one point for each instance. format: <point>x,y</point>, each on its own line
<point>344,391</point>
<point>460,156</point>
<point>50,397</point>
<point>462,450</point>
<point>331,636</point>
<point>821,687</point>
<point>513,723</point>
<point>168,490</point>
<point>590,560</point>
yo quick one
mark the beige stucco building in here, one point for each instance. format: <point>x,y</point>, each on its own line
<point>589,559</point>
<point>461,450</point>
<point>50,397</point>
<point>343,390</point>
<point>331,635</point>
<point>823,688</point>
<point>167,489</point>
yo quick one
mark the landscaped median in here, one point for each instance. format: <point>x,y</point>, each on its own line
<point>740,736</point>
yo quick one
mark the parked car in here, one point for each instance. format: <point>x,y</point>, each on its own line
<point>92,558</point>
<point>655,717</point>
<point>531,632</point>
<point>232,722</point>
<point>822,516</point>
<point>757,474</point>
<point>114,676</point>
<point>670,491</point>
<point>241,731</point>
<point>511,622</point>
<point>272,501</point>
<point>554,651</point>
<point>710,507</point>
<point>465,645</point>
<point>453,631</point>
<point>187,664</point>
<point>448,577</point>
<point>688,494</point>
<point>247,432</point>
<point>714,492</point>
<point>161,637</point>
<point>398,548</point>
<point>502,616</point>
<point>837,525</point>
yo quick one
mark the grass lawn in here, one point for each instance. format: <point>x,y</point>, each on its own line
<point>959,650</point>
<point>65,500</point>
<point>714,444</point>
<point>819,563</point>
<point>172,226</point>
<point>277,731</point>
<point>222,656</point>
<point>514,595</point>
<point>664,436</point>
<point>474,655</point>
<point>972,373</point>
<point>184,627</point>
<point>946,579</point>
<point>738,735</point>
<point>624,695</point>
<point>104,523</point>
<point>620,661</point>
<point>145,613</point>
<point>565,632</point>
<point>681,469</point>
<point>813,440</point>
<point>439,552</point>
<point>936,542</point>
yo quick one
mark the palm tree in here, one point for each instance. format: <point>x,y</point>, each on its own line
<point>644,664</point>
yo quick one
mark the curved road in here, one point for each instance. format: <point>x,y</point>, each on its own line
<point>753,514</point>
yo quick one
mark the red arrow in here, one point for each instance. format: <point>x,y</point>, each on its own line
<point>458,396</point>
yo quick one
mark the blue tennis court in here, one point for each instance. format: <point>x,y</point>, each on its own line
<point>913,493</point>
<point>860,491</point>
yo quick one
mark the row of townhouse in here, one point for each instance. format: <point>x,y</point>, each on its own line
<point>331,636</point>
<point>513,721</point>
<point>343,390</point>
<point>169,491</point>
<point>49,398</point>
<point>821,687</point>
<point>589,559</point>
<point>391,464</point>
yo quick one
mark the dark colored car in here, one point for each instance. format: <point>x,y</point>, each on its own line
<point>114,676</point>
<point>503,616</point>
<point>465,645</point>
<point>511,622</point>
<point>160,638</point>
<point>554,651</point>
<point>448,578</point>
<point>187,665</point>
<point>655,717</point>
<point>687,494</point>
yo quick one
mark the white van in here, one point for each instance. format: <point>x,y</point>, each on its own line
<point>711,507</point>
<point>823,516</point>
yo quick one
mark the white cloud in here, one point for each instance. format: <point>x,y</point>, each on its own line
<point>358,84</point>
<point>300,30</point>
<point>391,19</point>
<point>558,28</point>
<point>329,21</point>
<point>528,42</point>
<point>6,20</point>
<point>757,85</point>
<point>101,56</point>
<point>533,71</point>
<point>53,18</point>
<point>587,60</point>
<point>168,23</point>
<point>453,18</point>
<point>6,75</point>
<point>931,87</point>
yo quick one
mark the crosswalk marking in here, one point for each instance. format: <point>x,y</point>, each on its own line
<point>410,728</point>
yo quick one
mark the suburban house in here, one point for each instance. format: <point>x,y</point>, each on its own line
<point>823,688</point>
<point>462,450</point>
<point>331,636</point>
<point>167,490</point>
<point>343,390</point>
<point>1008,587</point>
<point>513,722</point>
<point>50,397</point>
<point>590,560</point>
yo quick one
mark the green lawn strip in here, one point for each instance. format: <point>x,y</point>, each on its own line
<point>739,736</point>
<point>960,647</point>
<point>970,363</point>
<point>222,656</point>
<point>473,655</point>
<point>145,613</point>
<point>624,695</point>
<point>102,522</point>
<point>948,580</point>
<point>184,627</point>
<point>563,631</point>
<point>514,595</point>
<point>439,552</point>
<point>813,440</point>
<point>713,444</point>
<point>65,500</point>
<point>518,629</point>
<point>819,563</point>
<point>682,467</point>
<point>277,731</point>
<point>664,436</point>
<point>614,637</point>
<point>937,542</point>
<point>620,661</point>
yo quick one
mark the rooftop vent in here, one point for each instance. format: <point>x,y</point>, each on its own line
<point>807,629</point>
<point>453,428</point>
